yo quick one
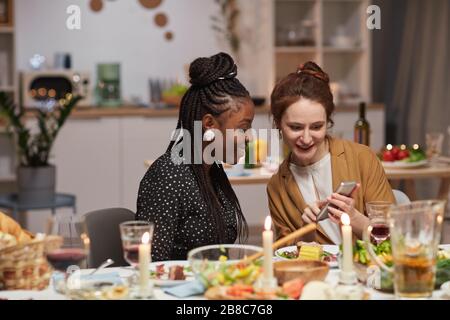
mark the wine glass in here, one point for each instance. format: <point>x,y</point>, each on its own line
<point>434,141</point>
<point>72,254</point>
<point>131,233</point>
<point>378,217</point>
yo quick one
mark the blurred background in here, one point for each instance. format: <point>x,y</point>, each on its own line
<point>129,61</point>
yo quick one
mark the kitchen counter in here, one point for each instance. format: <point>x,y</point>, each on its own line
<point>134,111</point>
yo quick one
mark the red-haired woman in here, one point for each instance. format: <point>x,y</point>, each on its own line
<point>302,106</point>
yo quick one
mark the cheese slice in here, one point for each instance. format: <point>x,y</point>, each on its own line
<point>310,252</point>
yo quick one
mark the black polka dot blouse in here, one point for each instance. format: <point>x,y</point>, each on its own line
<point>170,197</point>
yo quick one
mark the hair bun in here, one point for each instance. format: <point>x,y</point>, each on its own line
<point>204,71</point>
<point>314,70</point>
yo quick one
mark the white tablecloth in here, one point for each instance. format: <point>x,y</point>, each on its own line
<point>51,294</point>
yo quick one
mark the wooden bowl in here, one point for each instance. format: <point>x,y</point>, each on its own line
<point>306,270</point>
<point>172,100</point>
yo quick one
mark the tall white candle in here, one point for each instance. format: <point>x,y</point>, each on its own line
<point>144,262</point>
<point>267,249</point>
<point>347,244</point>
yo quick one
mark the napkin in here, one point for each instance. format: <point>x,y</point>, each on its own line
<point>112,277</point>
<point>231,173</point>
<point>191,288</point>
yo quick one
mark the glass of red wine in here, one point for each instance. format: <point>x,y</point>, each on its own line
<point>131,233</point>
<point>378,216</point>
<point>73,253</point>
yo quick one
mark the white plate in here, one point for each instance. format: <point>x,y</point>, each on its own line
<point>403,164</point>
<point>333,249</point>
<point>445,247</point>
<point>167,264</point>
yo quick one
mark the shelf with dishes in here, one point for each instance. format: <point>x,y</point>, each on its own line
<point>331,33</point>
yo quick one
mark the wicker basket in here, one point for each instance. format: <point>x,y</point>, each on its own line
<point>24,266</point>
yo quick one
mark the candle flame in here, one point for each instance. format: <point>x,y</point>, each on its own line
<point>345,219</point>
<point>268,223</point>
<point>145,238</point>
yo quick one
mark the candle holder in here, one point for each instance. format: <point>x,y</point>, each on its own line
<point>348,277</point>
<point>136,290</point>
<point>266,285</point>
<point>140,293</point>
<point>348,287</point>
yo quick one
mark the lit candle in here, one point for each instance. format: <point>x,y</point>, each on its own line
<point>267,248</point>
<point>144,262</point>
<point>347,246</point>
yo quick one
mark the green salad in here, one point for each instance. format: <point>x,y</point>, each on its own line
<point>225,273</point>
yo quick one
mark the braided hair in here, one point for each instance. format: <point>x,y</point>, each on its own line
<point>214,90</point>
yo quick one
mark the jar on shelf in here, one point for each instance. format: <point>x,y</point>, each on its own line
<point>306,34</point>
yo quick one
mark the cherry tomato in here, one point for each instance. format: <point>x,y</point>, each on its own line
<point>388,155</point>
<point>403,154</point>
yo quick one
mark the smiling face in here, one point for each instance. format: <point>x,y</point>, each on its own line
<point>304,129</point>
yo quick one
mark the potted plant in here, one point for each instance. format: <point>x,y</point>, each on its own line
<point>226,24</point>
<point>36,177</point>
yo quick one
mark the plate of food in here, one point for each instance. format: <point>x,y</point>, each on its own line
<point>170,273</point>
<point>404,165</point>
<point>310,251</point>
<point>290,290</point>
<point>402,157</point>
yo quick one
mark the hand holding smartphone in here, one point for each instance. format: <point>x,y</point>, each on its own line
<point>345,188</point>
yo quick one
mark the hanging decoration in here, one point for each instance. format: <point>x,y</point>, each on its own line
<point>161,19</point>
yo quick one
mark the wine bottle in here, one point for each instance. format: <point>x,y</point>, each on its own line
<point>248,159</point>
<point>362,127</point>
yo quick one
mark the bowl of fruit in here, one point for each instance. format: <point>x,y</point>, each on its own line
<point>401,156</point>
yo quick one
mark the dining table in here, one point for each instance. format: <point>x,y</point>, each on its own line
<point>50,293</point>
<point>440,171</point>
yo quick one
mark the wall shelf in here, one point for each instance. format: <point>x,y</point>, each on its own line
<point>348,67</point>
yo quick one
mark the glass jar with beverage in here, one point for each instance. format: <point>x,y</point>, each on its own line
<point>415,231</point>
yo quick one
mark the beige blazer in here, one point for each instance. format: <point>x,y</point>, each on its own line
<point>349,162</point>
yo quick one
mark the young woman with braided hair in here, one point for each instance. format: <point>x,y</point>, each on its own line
<point>192,204</point>
<point>302,106</point>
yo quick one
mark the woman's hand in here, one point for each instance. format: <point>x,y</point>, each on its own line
<point>312,210</point>
<point>347,205</point>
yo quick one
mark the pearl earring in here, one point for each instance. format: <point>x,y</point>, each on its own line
<point>209,135</point>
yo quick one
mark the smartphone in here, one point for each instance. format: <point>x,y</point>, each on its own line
<point>345,188</point>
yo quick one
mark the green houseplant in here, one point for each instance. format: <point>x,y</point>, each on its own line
<point>226,23</point>
<point>36,177</point>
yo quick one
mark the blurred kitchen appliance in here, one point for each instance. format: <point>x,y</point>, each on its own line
<point>46,87</point>
<point>62,60</point>
<point>4,74</point>
<point>108,85</point>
